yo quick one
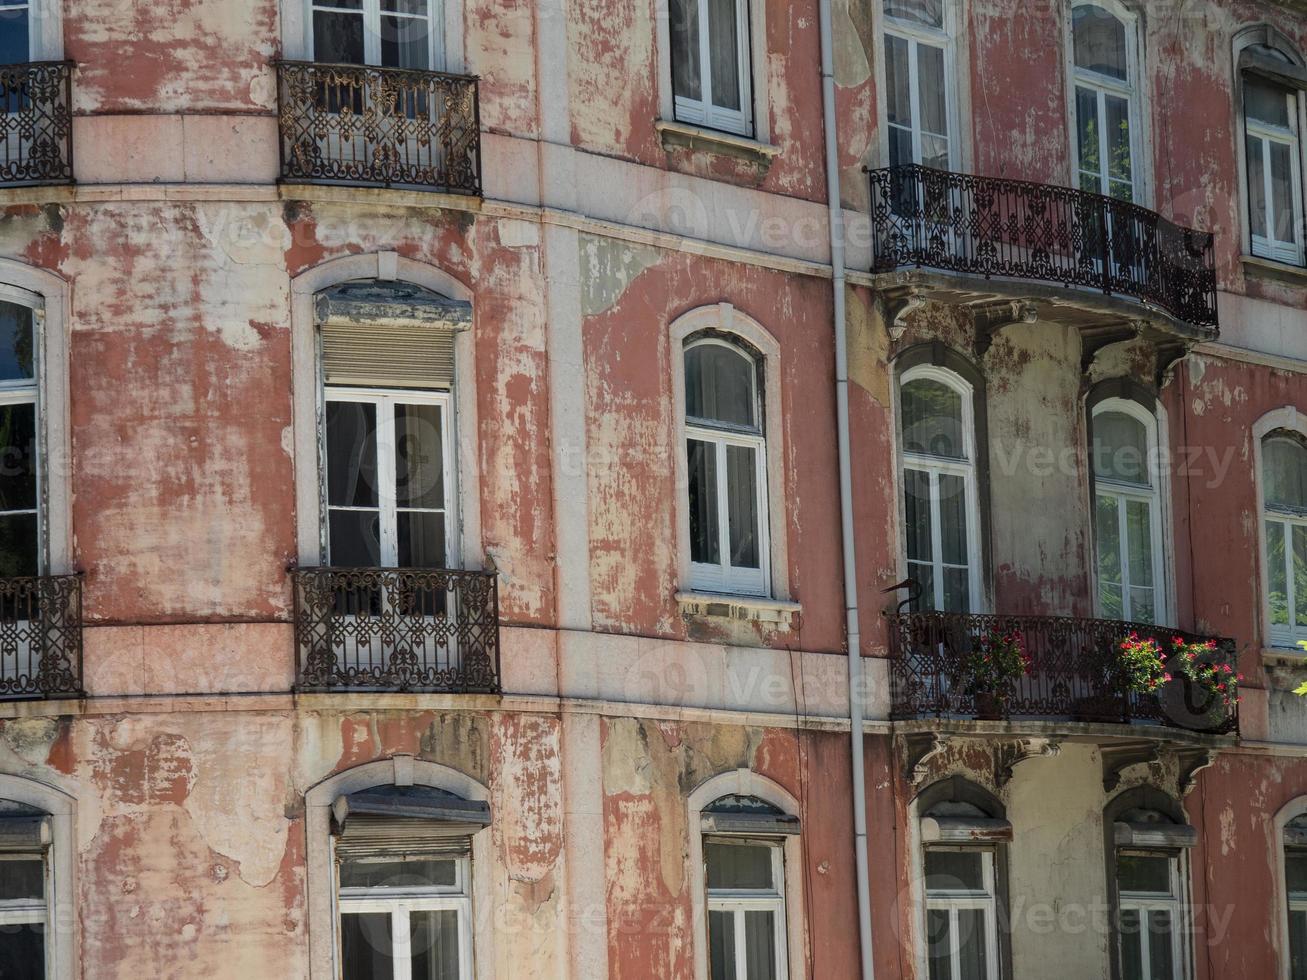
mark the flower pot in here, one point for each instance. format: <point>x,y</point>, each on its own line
<point>991,706</point>
<point>1103,709</point>
<point>1186,704</point>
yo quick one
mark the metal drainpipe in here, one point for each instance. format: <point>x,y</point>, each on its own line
<point>846,491</point>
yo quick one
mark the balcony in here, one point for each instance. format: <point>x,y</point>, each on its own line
<point>1070,676</point>
<point>36,124</point>
<point>396,629</point>
<point>41,637</point>
<point>381,127</point>
<point>1091,260</point>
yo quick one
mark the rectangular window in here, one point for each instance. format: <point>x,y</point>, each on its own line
<point>746,909</point>
<point>711,64</point>
<point>405,917</point>
<point>917,85</point>
<point>24,916</point>
<point>388,33</point>
<point>1295,867</point>
<point>961,913</point>
<point>1151,922</point>
<point>1273,154</point>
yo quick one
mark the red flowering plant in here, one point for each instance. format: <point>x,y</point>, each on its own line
<point>1194,662</point>
<point>995,662</point>
<point>1141,664</point>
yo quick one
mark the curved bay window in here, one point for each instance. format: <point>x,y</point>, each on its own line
<point>726,451</point>
<point>940,504</point>
<point>1105,81</point>
<point>1284,503</point>
<point>1127,513</point>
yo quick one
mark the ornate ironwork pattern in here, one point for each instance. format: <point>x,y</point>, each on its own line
<point>41,637</point>
<point>1070,675</point>
<point>991,226</point>
<point>36,123</point>
<point>397,629</point>
<point>358,124</point>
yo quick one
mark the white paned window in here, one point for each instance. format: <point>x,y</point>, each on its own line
<point>711,64</point>
<point>1295,871</point>
<point>405,918</point>
<point>1284,498</point>
<point>918,83</point>
<point>1273,154</point>
<point>1106,86</point>
<point>726,452</point>
<point>389,33</point>
<point>961,914</point>
<point>24,915</point>
<point>1127,513</point>
<point>940,504</point>
<point>1151,919</point>
<point>746,909</point>
<point>389,478</point>
<point>20,477</point>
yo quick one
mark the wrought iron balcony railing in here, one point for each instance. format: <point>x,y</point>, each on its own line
<point>994,227</point>
<point>36,123</point>
<point>41,637</point>
<point>1071,674</point>
<point>396,629</point>
<point>393,127</point>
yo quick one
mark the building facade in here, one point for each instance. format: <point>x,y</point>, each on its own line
<point>451,449</point>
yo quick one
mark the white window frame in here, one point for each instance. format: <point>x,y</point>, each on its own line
<point>27,391</point>
<point>955,901</point>
<point>62,929</point>
<point>399,902</point>
<point>18,912</point>
<point>739,901</point>
<point>1287,635</point>
<point>1126,492</point>
<point>916,35</point>
<point>1295,904</point>
<point>935,467</point>
<point>371,16</point>
<point>724,577</point>
<point>1146,902</point>
<point>1103,85</point>
<point>45,34</point>
<point>1289,419</point>
<point>389,399</point>
<point>1290,252</point>
<point>702,111</point>
<point>1284,901</point>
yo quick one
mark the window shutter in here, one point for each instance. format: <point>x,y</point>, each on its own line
<point>395,335</point>
<point>1166,835</point>
<point>408,820</point>
<point>23,828</point>
<point>964,830</point>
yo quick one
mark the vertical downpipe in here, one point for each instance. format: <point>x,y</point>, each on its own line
<point>846,492</point>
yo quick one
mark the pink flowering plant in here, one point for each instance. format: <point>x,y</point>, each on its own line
<point>995,662</point>
<point>1193,661</point>
<point>1142,664</point>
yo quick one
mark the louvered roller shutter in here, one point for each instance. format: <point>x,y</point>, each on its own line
<point>412,820</point>
<point>385,334</point>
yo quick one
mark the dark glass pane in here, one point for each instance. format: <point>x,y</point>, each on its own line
<point>1297,945</point>
<point>932,93</point>
<point>939,944</point>
<point>1121,449</point>
<point>705,535</point>
<point>760,945</point>
<point>932,419</point>
<point>928,13</point>
<point>18,546</point>
<point>418,872</point>
<point>738,866</point>
<point>15,43</point>
<point>719,385</point>
<point>17,339</point>
<point>1143,873</point>
<point>1132,946</point>
<point>405,42</point>
<point>1161,952</point>
<point>1284,471</point>
<point>721,945</point>
<point>18,457</point>
<point>1255,154</point>
<point>898,92</point>
<point>366,946</point>
<point>22,952</point>
<point>742,505</point>
<point>917,514</point>
<point>724,53</point>
<point>419,456</point>
<point>351,454</point>
<point>1087,137</point>
<point>1295,870</point>
<point>952,871</point>
<point>434,939</point>
<point>683,18</point>
<point>900,154</point>
<point>421,540</point>
<point>22,879</point>
<point>355,538</point>
<point>1119,164</point>
<point>1282,212</point>
<point>338,37</point>
<point>953,534</point>
<point>1265,101</point>
<point>1278,592</point>
<point>420,8</point>
<point>973,951</point>
<point>1100,41</point>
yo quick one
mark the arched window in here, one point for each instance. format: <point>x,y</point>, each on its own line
<point>1105,83</point>
<point>1295,891</point>
<point>1127,512</point>
<point>940,502</point>
<point>1284,502</point>
<point>37,858</point>
<point>1271,83</point>
<point>919,83</point>
<point>726,455</point>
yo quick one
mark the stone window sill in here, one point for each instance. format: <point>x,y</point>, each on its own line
<point>1260,268</point>
<point>756,609</point>
<point>679,135</point>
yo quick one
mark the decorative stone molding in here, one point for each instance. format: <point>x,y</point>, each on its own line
<point>1123,755</point>
<point>1007,755</point>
